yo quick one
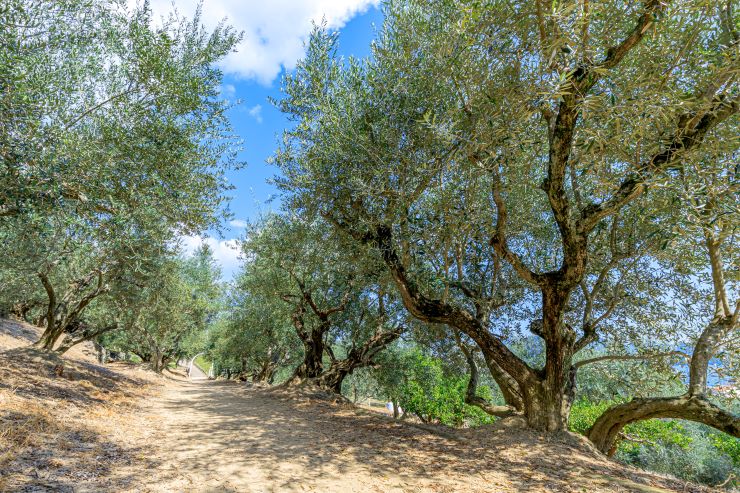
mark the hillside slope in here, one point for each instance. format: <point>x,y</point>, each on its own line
<point>67,424</point>
<point>85,427</point>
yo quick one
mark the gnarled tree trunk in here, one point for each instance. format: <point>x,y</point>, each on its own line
<point>59,316</point>
<point>266,372</point>
<point>313,340</point>
<point>607,429</point>
<point>693,405</point>
<point>313,353</point>
<point>358,357</point>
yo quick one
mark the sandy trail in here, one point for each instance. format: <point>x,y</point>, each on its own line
<point>225,437</point>
<point>120,428</point>
<point>197,374</point>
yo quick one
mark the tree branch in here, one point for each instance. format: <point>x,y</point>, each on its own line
<point>685,138</point>
<point>629,357</point>
<point>499,242</point>
<point>471,397</point>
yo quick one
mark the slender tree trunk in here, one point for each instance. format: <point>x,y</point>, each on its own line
<point>53,329</point>
<point>471,397</point>
<point>49,338</point>
<point>70,341</point>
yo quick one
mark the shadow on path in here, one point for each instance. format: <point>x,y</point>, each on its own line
<point>231,436</point>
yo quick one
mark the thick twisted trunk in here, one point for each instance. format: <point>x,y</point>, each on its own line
<point>548,401</point>
<point>693,405</point>
<point>543,396</point>
<point>48,339</point>
<point>158,361</point>
<point>547,408</point>
<point>266,372</point>
<point>62,314</point>
<point>607,428</point>
<point>313,340</point>
<point>358,357</point>
<point>332,378</point>
<point>313,354</point>
<point>510,389</point>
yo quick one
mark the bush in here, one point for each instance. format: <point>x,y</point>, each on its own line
<point>437,397</point>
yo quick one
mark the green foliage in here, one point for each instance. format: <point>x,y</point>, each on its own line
<point>727,445</point>
<point>203,362</point>
<point>433,395</point>
<point>109,117</point>
<point>701,461</point>
<point>168,318</point>
<point>595,192</point>
<point>584,413</point>
<point>113,143</point>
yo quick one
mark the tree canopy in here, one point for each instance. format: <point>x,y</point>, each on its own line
<point>529,168</point>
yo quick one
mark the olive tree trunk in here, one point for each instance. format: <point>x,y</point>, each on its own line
<point>358,357</point>
<point>62,313</point>
<point>693,405</point>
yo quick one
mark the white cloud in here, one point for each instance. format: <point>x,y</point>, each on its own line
<point>256,112</point>
<point>228,91</point>
<point>274,30</point>
<point>238,223</point>
<point>226,252</point>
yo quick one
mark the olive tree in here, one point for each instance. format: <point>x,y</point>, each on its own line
<point>112,131</point>
<point>535,129</point>
<point>333,294</point>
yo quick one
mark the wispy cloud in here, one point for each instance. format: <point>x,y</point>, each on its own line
<point>228,91</point>
<point>238,223</point>
<point>256,112</point>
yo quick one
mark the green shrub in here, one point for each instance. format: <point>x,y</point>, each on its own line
<point>728,445</point>
<point>437,397</point>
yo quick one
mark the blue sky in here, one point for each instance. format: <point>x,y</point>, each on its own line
<point>274,36</point>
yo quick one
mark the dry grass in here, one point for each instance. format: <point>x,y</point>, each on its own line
<point>23,422</point>
<point>66,424</point>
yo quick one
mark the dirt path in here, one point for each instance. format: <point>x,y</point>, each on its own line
<point>197,374</point>
<point>74,426</point>
<point>225,437</point>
